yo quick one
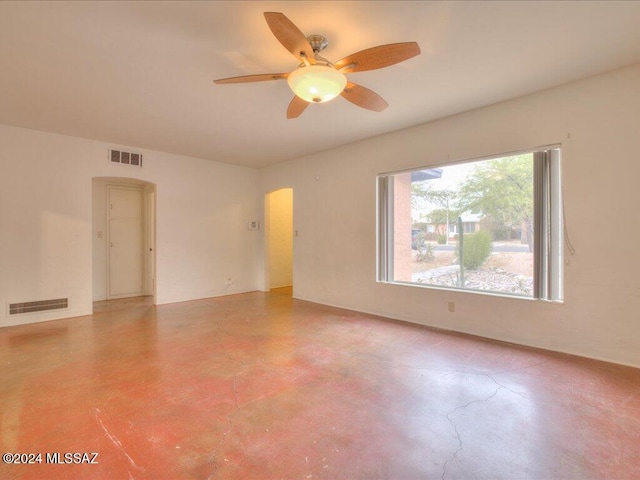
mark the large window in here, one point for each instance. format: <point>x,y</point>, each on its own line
<point>488,225</point>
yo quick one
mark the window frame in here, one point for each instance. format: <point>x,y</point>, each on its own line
<point>548,274</point>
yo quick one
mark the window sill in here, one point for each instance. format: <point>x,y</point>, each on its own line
<point>473,292</point>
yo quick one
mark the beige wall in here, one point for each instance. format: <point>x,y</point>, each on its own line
<point>597,123</point>
<point>46,222</point>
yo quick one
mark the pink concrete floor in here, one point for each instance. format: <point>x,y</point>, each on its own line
<point>260,386</point>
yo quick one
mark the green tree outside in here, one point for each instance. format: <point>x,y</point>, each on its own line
<point>502,189</point>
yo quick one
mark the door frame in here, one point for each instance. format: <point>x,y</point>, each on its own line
<point>149,208</point>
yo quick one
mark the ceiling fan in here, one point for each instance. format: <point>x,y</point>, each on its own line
<point>317,80</point>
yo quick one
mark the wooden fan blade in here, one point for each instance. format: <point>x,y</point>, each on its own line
<point>363,97</point>
<point>378,57</point>
<point>290,36</point>
<point>296,107</point>
<point>263,77</point>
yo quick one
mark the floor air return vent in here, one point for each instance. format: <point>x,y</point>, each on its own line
<point>38,306</point>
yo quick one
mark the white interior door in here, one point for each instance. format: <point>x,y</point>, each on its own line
<point>126,236</point>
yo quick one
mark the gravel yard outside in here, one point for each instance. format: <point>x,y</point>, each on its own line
<point>506,272</point>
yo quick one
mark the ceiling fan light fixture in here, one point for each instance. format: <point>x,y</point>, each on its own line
<point>317,80</point>
<point>317,83</point>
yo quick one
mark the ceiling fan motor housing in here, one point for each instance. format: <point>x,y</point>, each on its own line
<point>318,42</point>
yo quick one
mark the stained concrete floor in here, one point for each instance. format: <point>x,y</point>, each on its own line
<point>260,386</point>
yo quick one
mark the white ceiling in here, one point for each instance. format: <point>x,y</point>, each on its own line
<point>140,73</point>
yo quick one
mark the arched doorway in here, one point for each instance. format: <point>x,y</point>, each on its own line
<point>279,240</point>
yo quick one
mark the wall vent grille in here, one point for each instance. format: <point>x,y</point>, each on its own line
<point>125,158</point>
<point>38,306</point>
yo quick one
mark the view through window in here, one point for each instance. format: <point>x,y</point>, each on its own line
<point>487,225</point>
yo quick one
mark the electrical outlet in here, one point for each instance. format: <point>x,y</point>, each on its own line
<point>452,307</point>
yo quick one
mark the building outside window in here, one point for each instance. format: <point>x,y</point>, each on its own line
<point>491,225</point>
